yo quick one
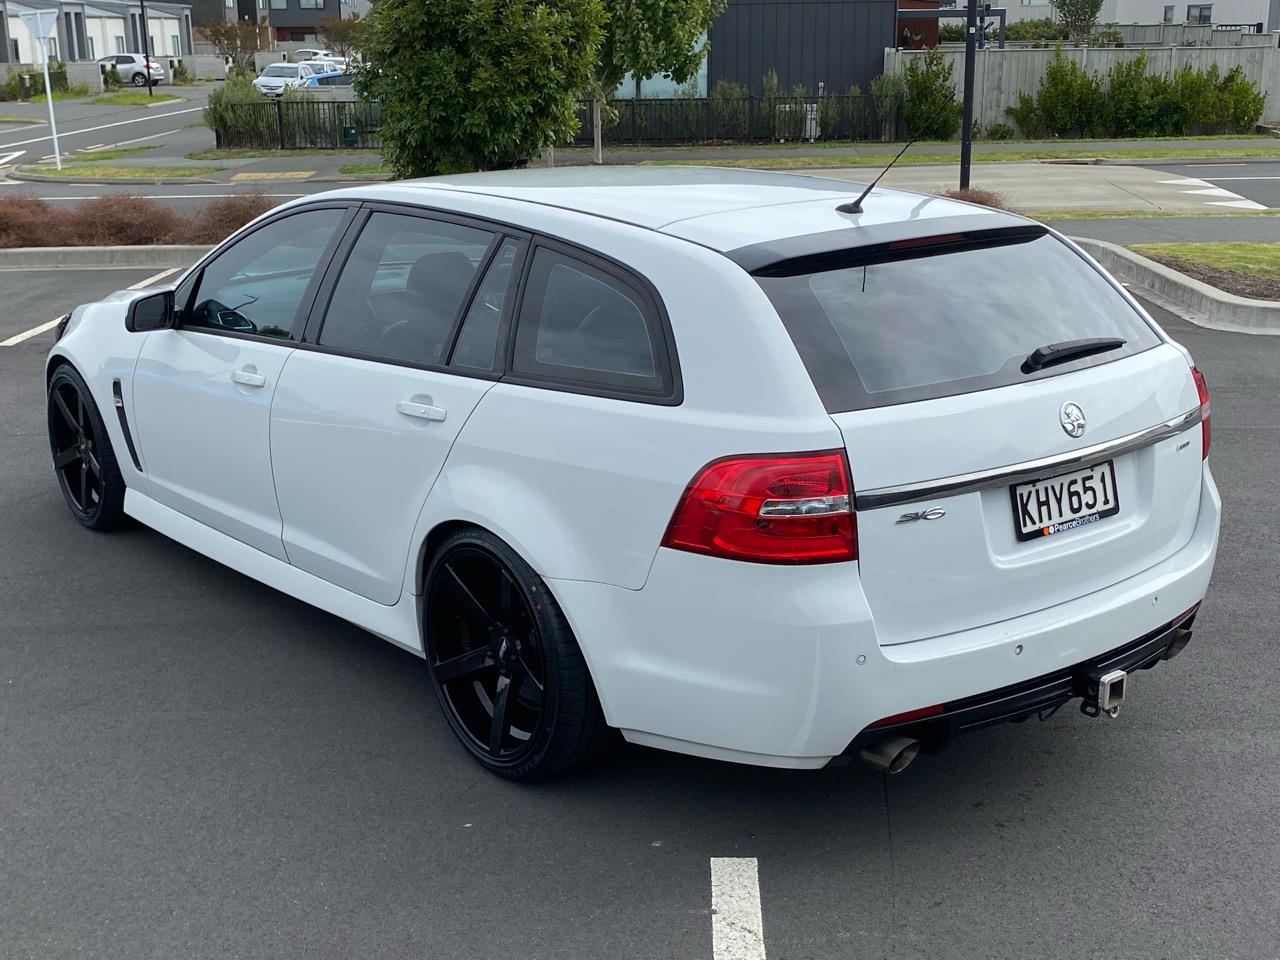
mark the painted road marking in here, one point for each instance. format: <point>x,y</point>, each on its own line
<point>737,927</point>
<point>1206,189</point>
<point>8,158</point>
<point>28,334</point>
<point>106,126</point>
<point>152,136</point>
<point>49,325</point>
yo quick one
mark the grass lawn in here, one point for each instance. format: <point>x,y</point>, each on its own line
<point>364,168</point>
<point>1245,269</point>
<point>818,161</point>
<point>1141,214</point>
<point>1260,259</point>
<point>245,153</point>
<point>117,173</point>
<point>133,98</point>
<point>80,156</point>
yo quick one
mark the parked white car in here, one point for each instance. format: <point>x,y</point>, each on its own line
<point>700,455</point>
<point>308,53</point>
<point>276,78</point>
<point>134,68</point>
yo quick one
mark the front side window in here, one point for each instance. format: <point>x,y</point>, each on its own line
<point>258,285</point>
<point>960,318</point>
<point>585,326</point>
<point>403,287</point>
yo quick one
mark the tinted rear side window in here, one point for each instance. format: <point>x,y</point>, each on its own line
<point>894,330</point>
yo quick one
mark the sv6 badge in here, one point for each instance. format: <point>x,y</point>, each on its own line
<point>934,513</point>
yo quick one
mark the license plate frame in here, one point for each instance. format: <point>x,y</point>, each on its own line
<point>1073,519</point>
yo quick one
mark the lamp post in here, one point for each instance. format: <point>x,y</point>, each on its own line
<point>146,46</point>
<point>966,128</point>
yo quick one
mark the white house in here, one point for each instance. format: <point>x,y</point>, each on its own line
<point>89,29</point>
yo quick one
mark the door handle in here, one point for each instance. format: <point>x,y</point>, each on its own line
<point>423,411</point>
<point>249,379</point>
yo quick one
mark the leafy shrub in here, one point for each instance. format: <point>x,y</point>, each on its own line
<point>951,32</point>
<point>887,91</point>
<point>30,222</point>
<point>1238,103</point>
<point>182,76</point>
<point>122,218</point>
<point>111,80</point>
<point>1138,103</point>
<point>730,111</point>
<point>929,105</point>
<point>1070,101</point>
<point>999,131</point>
<point>1042,29</point>
<point>222,216</point>
<point>1025,116</point>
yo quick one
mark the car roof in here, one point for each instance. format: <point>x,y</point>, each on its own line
<point>722,208</point>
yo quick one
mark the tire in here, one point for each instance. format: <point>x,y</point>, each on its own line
<point>139,79</point>
<point>83,459</point>
<point>491,626</point>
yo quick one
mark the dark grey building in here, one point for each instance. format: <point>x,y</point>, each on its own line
<point>832,42</point>
<point>299,20</point>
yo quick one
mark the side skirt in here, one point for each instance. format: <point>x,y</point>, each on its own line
<point>397,624</point>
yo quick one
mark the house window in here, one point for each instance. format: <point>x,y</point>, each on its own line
<point>17,54</point>
<point>53,49</point>
<point>1168,14</point>
<point>93,53</point>
<point>311,4</point>
<point>174,47</point>
<point>119,44</point>
<point>1200,13</point>
<point>279,5</point>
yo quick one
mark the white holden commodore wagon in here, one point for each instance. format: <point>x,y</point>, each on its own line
<point>714,458</point>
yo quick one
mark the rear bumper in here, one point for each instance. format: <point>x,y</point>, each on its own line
<point>782,666</point>
<point>1039,696</point>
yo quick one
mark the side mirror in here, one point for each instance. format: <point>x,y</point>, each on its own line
<point>154,312</point>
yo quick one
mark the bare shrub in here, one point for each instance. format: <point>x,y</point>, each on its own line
<point>30,222</point>
<point>123,219</point>
<point>222,216</point>
<point>986,198</point>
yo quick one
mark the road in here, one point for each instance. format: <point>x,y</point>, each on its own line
<point>1255,180</point>
<point>196,766</point>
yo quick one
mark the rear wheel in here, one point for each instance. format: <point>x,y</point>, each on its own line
<point>139,79</point>
<point>507,670</point>
<point>83,460</point>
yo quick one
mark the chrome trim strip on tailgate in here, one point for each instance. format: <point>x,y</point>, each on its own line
<point>1027,470</point>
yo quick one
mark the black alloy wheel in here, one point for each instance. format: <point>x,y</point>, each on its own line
<point>83,459</point>
<point>507,671</point>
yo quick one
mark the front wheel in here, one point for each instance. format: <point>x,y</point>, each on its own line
<point>139,79</point>
<point>83,459</point>
<point>507,670</point>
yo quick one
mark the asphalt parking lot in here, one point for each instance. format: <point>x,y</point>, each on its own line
<point>195,766</point>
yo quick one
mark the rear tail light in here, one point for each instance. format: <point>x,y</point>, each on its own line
<point>783,508</point>
<point>1202,388</point>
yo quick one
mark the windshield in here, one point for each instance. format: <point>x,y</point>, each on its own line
<point>281,70</point>
<point>896,330</point>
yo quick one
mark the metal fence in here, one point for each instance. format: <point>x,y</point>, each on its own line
<point>688,120</point>
<point>335,125</point>
<point>296,124</point>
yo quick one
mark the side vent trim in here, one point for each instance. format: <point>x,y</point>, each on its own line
<point>118,398</point>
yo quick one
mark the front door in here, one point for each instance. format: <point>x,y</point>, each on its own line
<point>364,418</point>
<point>202,391</point>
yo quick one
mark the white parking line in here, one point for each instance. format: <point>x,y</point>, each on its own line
<point>18,338</point>
<point>737,927</point>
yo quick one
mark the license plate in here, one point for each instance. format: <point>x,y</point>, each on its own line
<point>1068,501</point>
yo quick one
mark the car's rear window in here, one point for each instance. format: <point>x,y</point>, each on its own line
<point>915,323</point>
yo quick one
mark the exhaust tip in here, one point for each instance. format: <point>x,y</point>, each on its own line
<point>891,754</point>
<point>1181,637</point>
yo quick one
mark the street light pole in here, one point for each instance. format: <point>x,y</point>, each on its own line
<point>966,128</point>
<point>146,47</point>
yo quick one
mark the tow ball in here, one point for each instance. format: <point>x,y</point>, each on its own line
<point>1110,694</point>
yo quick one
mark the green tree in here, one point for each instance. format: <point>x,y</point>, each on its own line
<point>649,38</point>
<point>929,104</point>
<point>1078,16</point>
<point>476,84</point>
<point>342,36</point>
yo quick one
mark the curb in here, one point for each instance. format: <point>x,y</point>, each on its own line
<point>1146,161</point>
<point>158,256</point>
<point>1206,306</point>
<point>108,181</point>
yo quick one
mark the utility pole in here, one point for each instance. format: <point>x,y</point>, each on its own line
<point>966,128</point>
<point>146,47</point>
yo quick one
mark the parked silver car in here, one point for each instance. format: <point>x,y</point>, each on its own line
<point>132,68</point>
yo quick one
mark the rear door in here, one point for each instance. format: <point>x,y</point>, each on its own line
<point>979,498</point>
<point>369,407</point>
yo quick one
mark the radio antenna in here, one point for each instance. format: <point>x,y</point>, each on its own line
<point>856,205</point>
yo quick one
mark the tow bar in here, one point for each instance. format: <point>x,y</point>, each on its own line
<point>1107,694</point>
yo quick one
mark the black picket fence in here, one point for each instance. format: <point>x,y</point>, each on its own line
<point>324,124</point>
<point>297,124</point>
<point>687,120</point>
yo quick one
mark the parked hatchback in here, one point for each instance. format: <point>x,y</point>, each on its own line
<point>133,68</point>
<point>278,77</point>
<point>715,458</point>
